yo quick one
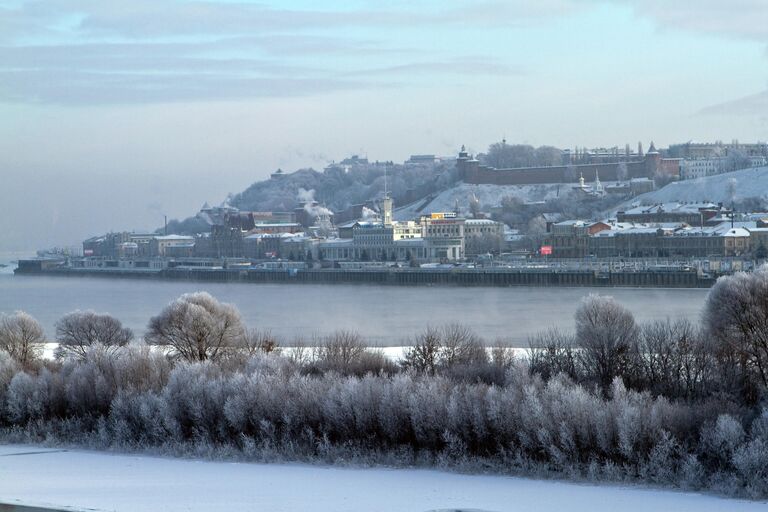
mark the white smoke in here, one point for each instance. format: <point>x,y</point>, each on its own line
<point>368,214</point>
<point>307,197</point>
<point>732,187</point>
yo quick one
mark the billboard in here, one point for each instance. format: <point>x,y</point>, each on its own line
<point>546,250</point>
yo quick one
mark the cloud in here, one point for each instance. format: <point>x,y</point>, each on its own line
<point>752,105</point>
<point>462,66</point>
<point>91,88</point>
<point>743,19</point>
<point>152,18</point>
<point>80,52</point>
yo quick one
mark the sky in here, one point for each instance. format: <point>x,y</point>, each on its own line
<point>114,113</point>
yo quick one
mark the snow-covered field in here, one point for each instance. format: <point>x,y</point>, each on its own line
<point>85,480</point>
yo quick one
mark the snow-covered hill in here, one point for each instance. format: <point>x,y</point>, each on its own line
<point>488,195</point>
<point>722,188</point>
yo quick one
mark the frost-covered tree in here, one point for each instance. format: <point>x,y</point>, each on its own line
<point>197,326</point>
<point>606,334</point>
<point>22,337</point>
<point>736,317</point>
<point>79,330</point>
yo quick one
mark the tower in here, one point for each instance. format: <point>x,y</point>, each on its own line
<point>387,204</point>
<point>652,161</point>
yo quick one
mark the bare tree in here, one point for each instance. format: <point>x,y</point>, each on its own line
<point>197,326</point>
<point>552,352</point>
<point>424,355</point>
<point>607,334</point>
<point>340,350</point>
<point>77,331</point>
<point>255,341</point>
<point>672,359</point>
<point>461,346</point>
<point>22,337</point>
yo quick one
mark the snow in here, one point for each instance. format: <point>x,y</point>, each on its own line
<point>85,480</point>
<point>749,183</point>
<point>489,196</point>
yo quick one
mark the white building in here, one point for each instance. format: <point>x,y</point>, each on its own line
<point>702,167</point>
<point>173,245</point>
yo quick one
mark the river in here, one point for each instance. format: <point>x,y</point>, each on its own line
<point>385,315</point>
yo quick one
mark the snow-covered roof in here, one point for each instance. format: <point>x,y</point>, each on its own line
<point>483,222</point>
<point>174,237</point>
<point>337,241</point>
<point>673,207</point>
<point>736,233</point>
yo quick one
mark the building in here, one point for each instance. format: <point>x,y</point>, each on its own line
<point>570,238</point>
<point>270,228</point>
<point>426,160</point>
<point>703,167</point>
<point>694,214</point>
<point>444,236</point>
<point>259,246</point>
<point>172,246</point>
<point>707,150</point>
<point>612,239</point>
<point>482,236</point>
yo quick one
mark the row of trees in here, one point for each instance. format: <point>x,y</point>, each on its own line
<point>267,407</point>
<point>665,402</point>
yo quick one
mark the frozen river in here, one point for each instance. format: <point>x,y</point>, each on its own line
<point>385,315</point>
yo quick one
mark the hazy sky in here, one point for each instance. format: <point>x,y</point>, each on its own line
<point>116,112</point>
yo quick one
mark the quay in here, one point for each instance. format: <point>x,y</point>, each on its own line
<point>681,277</point>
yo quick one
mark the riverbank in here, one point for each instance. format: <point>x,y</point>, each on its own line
<point>460,276</point>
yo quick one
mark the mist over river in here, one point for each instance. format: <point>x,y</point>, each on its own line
<point>385,315</point>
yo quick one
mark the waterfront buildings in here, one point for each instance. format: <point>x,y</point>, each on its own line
<point>663,239</point>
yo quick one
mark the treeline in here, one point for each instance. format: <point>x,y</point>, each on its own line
<point>667,403</point>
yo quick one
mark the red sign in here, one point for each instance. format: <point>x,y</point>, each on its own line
<point>546,250</point>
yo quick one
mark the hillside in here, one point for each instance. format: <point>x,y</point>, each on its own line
<point>489,196</point>
<point>339,187</point>
<point>736,186</point>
